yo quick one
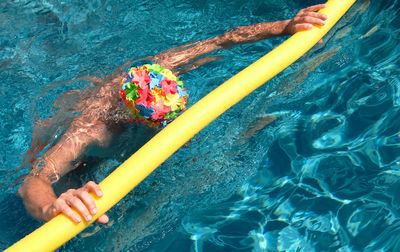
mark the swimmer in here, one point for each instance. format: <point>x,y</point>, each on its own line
<point>102,112</point>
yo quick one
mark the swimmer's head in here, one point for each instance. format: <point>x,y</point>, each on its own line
<point>153,95</point>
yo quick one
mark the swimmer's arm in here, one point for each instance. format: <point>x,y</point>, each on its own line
<point>37,192</point>
<point>304,20</point>
<point>180,56</point>
<point>42,203</point>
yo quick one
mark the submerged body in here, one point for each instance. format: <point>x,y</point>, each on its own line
<point>101,113</point>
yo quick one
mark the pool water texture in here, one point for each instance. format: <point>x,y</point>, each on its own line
<point>308,162</point>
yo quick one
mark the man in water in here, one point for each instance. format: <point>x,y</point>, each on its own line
<point>94,125</point>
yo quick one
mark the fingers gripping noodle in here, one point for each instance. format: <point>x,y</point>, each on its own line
<point>61,229</point>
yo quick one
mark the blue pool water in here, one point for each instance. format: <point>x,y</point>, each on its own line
<point>308,162</point>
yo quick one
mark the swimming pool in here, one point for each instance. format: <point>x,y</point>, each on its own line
<point>308,161</point>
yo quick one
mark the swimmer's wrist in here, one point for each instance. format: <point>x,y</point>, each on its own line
<point>285,27</point>
<point>47,212</point>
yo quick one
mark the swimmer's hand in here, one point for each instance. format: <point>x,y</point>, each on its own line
<point>305,19</point>
<point>81,201</point>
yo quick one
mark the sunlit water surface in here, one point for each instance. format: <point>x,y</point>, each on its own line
<point>308,162</point>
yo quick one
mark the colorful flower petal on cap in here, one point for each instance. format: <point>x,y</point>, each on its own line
<point>141,78</point>
<point>122,93</point>
<point>123,86</point>
<point>168,86</point>
<point>134,110</point>
<point>160,77</point>
<point>143,93</point>
<point>154,68</point>
<point>144,111</point>
<point>171,115</point>
<point>150,98</point>
<point>173,101</point>
<point>155,81</point>
<point>181,91</point>
<point>159,110</point>
<point>182,104</point>
<point>129,77</point>
<point>169,75</point>
<point>153,75</point>
<point>131,91</point>
<point>158,94</point>
<point>132,70</point>
<point>141,69</point>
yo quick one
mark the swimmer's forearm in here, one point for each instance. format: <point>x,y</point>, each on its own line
<point>304,20</point>
<point>183,55</point>
<point>253,33</point>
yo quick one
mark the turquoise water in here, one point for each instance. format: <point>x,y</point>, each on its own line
<point>308,162</point>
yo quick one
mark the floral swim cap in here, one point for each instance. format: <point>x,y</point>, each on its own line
<point>153,95</point>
